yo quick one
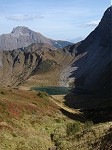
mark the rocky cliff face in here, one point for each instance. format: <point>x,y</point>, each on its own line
<point>102,33</point>
<point>93,62</point>
<point>23,37</point>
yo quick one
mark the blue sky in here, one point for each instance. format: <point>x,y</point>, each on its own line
<point>56,19</point>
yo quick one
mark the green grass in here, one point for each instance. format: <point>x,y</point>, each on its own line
<point>43,95</point>
<point>30,121</point>
<point>2,92</point>
<point>73,128</point>
<point>46,66</point>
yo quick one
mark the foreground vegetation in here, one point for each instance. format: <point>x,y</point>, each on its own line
<point>31,121</point>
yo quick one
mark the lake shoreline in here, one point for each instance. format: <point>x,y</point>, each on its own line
<point>53,90</point>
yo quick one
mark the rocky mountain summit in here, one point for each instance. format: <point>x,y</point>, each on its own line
<point>22,37</point>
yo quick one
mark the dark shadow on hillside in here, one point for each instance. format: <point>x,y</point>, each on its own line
<point>92,67</point>
<point>99,115</point>
<point>90,107</point>
<point>93,108</point>
<point>94,97</point>
<point>96,104</point>
<point>77,117</point>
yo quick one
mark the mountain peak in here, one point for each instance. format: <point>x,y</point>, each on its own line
<point>20,29</point>
<point>109,9</point>
<point>23,36</point>
<point>108,12</point>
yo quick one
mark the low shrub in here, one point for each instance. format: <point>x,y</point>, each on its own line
<point>2,92</point>
<point>46,66</point>
<point>73,128</point>
<point>88,125</point>
<point>43,95</point>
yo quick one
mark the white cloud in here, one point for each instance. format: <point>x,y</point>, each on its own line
<point>92,23</point>
<point>24,17</point>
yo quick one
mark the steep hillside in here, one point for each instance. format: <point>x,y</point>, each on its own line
<point>21,37</point>
<point>38,63</point>
<point>32,121</point>
<point>92,66</point>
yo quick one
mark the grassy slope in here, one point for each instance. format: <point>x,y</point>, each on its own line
<point>29,121</point>
<point>51,76</point>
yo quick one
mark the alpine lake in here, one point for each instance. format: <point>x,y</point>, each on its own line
<point>53,90</point>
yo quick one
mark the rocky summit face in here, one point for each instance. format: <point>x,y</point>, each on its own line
<point>23,37</point>
<point>93,63</point>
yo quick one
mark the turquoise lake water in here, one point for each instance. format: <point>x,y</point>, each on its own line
<point>51,90</point>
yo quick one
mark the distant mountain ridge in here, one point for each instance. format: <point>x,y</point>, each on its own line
<point>22,37</point>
